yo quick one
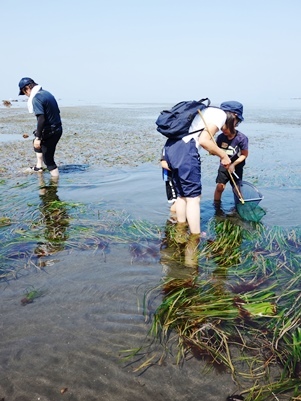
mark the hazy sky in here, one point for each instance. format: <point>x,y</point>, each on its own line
<point>153,50</point>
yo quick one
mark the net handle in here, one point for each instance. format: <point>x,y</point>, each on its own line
<point>207,129</point>
<point>236,188</point>
<point>231,176</point>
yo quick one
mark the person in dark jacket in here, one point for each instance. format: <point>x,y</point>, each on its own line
<point>49,126</point>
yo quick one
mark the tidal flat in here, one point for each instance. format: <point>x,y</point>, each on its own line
<point>96,259</point>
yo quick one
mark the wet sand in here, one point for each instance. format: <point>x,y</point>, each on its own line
<point>72,337</point>
<point>92,135</point>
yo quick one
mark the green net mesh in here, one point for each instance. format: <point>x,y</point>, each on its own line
<point>249,209</point>
<point>250,213</point>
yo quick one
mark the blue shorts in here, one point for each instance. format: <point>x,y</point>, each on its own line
<point>184,161</point>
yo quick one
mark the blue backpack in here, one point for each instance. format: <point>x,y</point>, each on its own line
<point>175,123</point>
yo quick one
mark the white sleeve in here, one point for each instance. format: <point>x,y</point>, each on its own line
<point>212,115</point>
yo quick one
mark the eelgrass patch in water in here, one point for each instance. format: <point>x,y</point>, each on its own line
<point>238,312</point>
<point>30,295</point>
<point>36,234</point>
<point>145,251</point>
<point>4,221</point>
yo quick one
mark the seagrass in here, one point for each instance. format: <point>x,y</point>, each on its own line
<point>243,316</point>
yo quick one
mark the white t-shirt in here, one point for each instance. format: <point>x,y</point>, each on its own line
<point>212,115</point>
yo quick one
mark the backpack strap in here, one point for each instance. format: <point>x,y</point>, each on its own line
<point>199,111</point>
<point>204,100</point>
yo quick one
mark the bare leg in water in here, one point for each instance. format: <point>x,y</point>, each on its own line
<point>188,210</point>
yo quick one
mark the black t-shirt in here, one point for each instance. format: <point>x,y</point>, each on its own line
<point>233,147</point>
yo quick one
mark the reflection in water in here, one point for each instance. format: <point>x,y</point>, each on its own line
<point>179,252</point>
<point>197,308</point>
<point>218,209</point>
<point>55,218</point>
<point>144,251</point>
<point>200,309</point>
<point>225,251</point>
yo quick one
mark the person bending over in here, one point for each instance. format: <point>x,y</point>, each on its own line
<point>183,159</point>
<point>49,126</point>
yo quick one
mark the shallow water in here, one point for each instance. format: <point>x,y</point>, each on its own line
<point>91,305</point>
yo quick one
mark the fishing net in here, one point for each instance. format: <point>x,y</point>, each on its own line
<point>247,205</point>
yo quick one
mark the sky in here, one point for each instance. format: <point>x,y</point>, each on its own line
<point>153,51</point>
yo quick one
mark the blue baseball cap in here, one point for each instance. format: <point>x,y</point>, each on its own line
<point>234,107</point>
<point>25,81</point>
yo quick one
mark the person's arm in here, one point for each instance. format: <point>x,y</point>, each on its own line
<point>241,158</point>
<point>164,165</point>
<point>40,125</point>
<point>206,140</point>
<point>38,134</point>
<point>244,152</point>
<point>163,162</point>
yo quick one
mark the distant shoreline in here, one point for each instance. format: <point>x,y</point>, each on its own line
<point>273,103</point>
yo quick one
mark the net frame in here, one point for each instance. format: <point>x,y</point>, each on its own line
<point>249,193</point>
<point>247,204</point>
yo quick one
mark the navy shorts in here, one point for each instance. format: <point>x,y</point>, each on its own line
<point>184,161</point>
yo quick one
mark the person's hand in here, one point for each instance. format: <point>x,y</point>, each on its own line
<point>231,168</point>
<point>37,143</point>
<point>225,161</point>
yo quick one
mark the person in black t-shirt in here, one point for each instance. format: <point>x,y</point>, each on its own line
<point>235,144</point>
